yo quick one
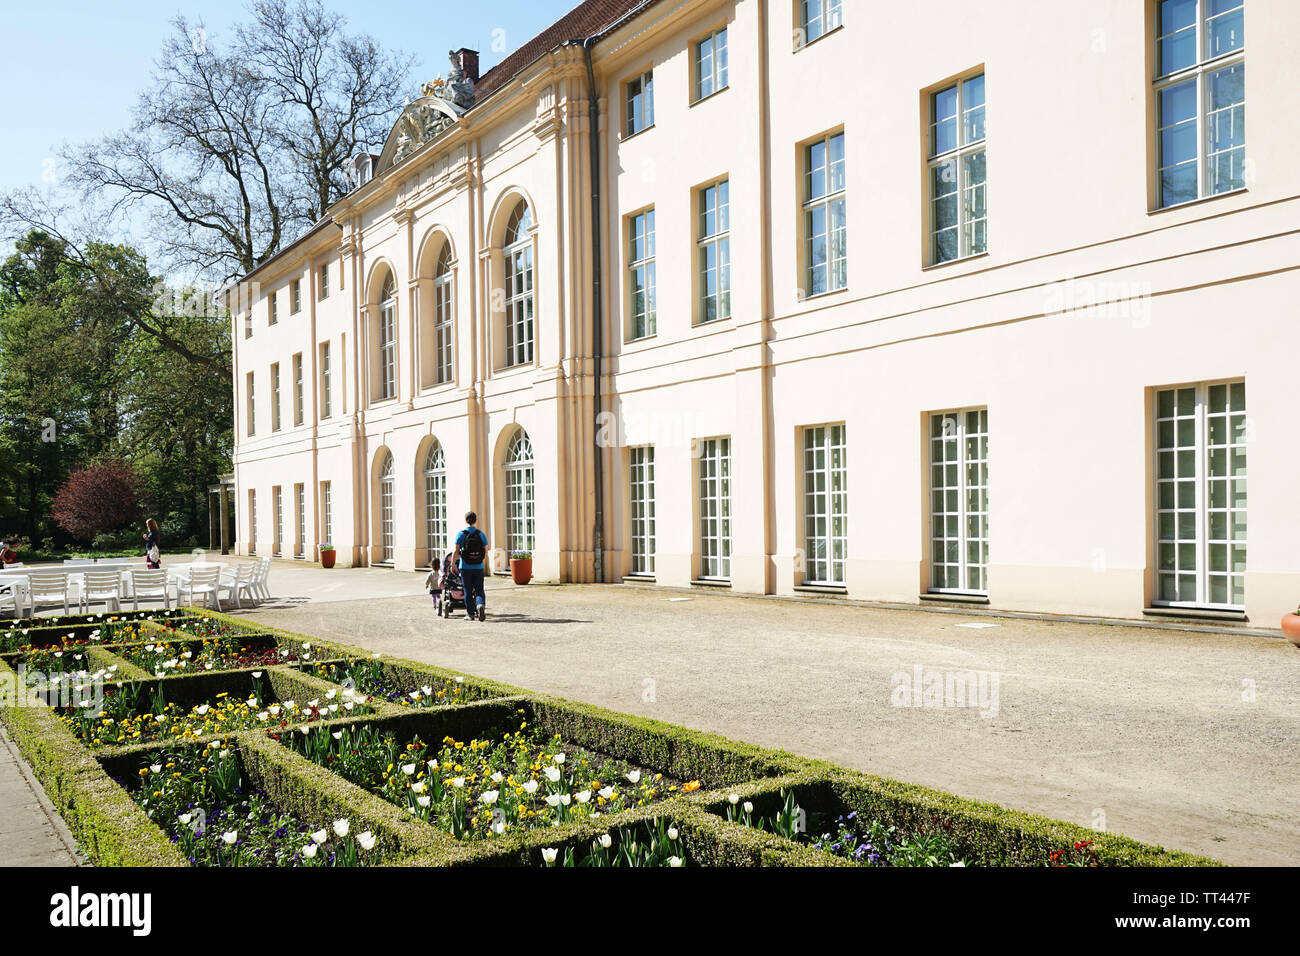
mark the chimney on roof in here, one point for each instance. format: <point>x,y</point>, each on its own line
<point>468,60</point>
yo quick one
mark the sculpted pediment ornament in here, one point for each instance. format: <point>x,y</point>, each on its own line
<point>442,103</point>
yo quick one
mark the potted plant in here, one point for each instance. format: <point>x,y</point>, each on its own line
<point>327,555</point>
<point>521,566</point>
<point>1291,627</point>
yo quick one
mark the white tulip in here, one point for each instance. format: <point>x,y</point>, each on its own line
<point>606,840</point>
<point>530,787</point>
<point>607,792</point>
<point>367,840</point>
<point>748,807</point>
<point>458,782</point>
<point>202,710</point>
<point>674,861</point>
<point>408,769</point>
<point>553,800</point>
<point>341,827</point>
<point>672,833</point>
<point>424,801</point>
<point>230,837</point>
<point>185,818</point>
<point>733,798</point>
<point>634,777</point>
<point>489,797</point>
<point>309,851</point>
<point>155,768</point>
<point>497,778</point>
<point>337,735</point>
<point>549,854</point>
<point>320,836</point>
<point>553,774</point>
<point>583,797</point>
<point>257,675</point>
<point>558,758</point>
<point>565,799</point>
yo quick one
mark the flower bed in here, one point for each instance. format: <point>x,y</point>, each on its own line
<point>372,677</point>
<point>211,654</point>
<point>477,789</point>
<point>138,713</point>
<point>93,629</point>
<point>651,843</point>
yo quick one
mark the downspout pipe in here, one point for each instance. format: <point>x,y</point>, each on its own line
<point>597,308</point>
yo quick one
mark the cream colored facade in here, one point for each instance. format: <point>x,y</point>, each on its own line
<point>1194,294</point>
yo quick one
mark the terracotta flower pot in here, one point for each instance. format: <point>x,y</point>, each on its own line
<point>521,570</point>
<point>327,559</point>
<point>1291,628</point>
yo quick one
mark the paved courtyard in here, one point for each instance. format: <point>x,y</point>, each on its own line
<point>1180,738</point>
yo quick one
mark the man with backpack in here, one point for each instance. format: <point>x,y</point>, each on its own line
<point>471,553</point>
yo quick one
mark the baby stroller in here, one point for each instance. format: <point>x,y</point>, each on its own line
<point>450,593</point>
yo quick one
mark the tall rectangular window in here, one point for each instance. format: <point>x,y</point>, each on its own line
<point>714,244</point>
<point>388,350</point>
<point>641,272</point>
<point>248,325</point>
<point>711,64</point>
<point>251,395</point>
<point>959,501</point>
<point>641,470</point>
<point>826,215</point>
<point>1200,98</point>
<point>715,509</point>
<point>819,17</point>
<point>640,103</point>
<point>278,544</point>
<point>325,280</point>
<point>825,503</point>
<point>252,521</point>
<point>326,394</point>
<point>442,326</point>
<point>275,397</point>
<point>298,391</point>
<point>1201,495</point>
<point>326,513</point>
<point>295,296</point>
<point>958,171</point>
<point>272,315</point>
<point>300,499</point>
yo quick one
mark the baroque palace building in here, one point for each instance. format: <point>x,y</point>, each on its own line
<point>963,302</point>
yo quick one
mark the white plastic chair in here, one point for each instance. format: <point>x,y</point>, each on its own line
<point>150,585</point>
<point>78,562</point>
<point>205,582</point>
<point>262,582</point>
<point>49,589</point>
<point>13,596</point>
<point>241,581</point>
<point>103,586</point>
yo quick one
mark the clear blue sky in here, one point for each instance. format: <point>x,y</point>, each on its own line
<point>70,71</point>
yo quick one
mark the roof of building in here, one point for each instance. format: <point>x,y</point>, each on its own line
<point>590,18</point>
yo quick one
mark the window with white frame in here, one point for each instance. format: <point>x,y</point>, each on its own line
<point>325,280</point>
<point>1200,98</point>
<point>300,496</point>
<point>435,503</point>
<point>519,286</point>
<point>1201,495</point>
<point>641,272</point>
<point>715,509</point>
<point>278,544</point>
<point>326,513</point>
<point>818,18</point>
<point>442,312</point>
<point>275,397</point>
<point>641,472</point>
<point>299,410</point>
<point>272,313</point>
<point>251,396</point>
<point>252,521</point>
<point>326,397</point>
<point>295,296</point>
<point>958,171</point>
<point>959,501</point>
<point>825,504</point>
<point>248,325</point>
<point>640,103</point>
<point>714,245</point>
<point>520,512</point>
<point>387,535</point>
<point>388,339</point>
<point>711,64</point>
<point>825,212</point>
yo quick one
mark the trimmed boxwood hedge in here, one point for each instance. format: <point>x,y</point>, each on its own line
<point>113,831</point>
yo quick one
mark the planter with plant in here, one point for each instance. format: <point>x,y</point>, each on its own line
<point>327,555</point>
<point>1291,627</point>
<point>521,566</point>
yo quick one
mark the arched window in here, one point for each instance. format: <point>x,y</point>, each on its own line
<point>388,339</point>
<point>519,286</point>
<point>386,508</point>
<point>442,308</point>
<point>435,503</point>
<point>520,521</point>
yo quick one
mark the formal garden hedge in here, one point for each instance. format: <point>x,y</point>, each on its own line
<point>723,802</point>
